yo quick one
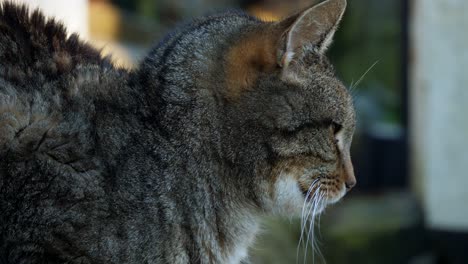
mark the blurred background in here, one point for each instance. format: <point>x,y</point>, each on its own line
<point>406,62</point>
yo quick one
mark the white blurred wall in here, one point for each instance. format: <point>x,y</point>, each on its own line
<point>439,107</point>
<point>73,13</point>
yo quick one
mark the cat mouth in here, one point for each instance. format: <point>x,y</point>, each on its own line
<point>314,193</point>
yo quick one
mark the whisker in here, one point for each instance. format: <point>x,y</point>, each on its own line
<point>304,215</point>
<point>315,239</point>
<point>319,216</point>
<point>362,76</point>
<point>313,211</point>
<point>304,230</point>
<point>352,82</point>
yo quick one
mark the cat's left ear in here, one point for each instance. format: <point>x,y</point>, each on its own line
<point>313,27</point>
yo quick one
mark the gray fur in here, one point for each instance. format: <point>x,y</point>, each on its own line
<point>157,165</point>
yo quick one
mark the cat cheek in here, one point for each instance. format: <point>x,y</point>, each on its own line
<point>287,196</point>
<point>347,166</point>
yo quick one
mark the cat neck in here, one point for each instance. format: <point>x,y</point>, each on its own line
<point>240,232</point>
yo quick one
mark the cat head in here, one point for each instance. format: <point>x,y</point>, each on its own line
<point>288,104</point>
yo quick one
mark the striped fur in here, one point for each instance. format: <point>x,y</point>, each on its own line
<point>175,161</point>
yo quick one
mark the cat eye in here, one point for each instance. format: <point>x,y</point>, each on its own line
<point>335,127</point>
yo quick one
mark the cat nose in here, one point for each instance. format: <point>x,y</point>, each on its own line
<point>350,179</point>
<point>349,183</point>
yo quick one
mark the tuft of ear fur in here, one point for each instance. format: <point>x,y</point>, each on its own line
<point>314,26</point>
<point>252,55</point>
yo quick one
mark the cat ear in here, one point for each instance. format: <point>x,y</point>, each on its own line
<point>315,26</point>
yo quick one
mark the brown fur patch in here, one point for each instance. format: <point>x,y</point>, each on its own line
<point>251,56</point>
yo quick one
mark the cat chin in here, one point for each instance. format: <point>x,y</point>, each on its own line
<point>338,196</point>
<point>317,208</point>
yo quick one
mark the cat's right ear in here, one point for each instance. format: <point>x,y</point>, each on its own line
<point>312,28</point>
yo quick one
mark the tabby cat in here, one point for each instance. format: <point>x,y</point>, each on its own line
<point>229,118</point>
